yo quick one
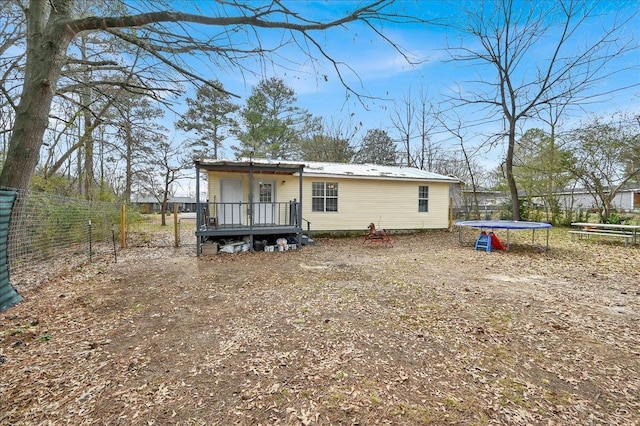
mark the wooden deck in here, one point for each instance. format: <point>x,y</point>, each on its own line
<point>240,230</point>
<point>252,221</point>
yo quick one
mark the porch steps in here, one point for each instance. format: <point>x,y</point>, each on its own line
<point>306,241</point>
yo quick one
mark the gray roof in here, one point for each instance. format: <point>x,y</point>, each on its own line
<point>373,171</point>
<point>366,171</point>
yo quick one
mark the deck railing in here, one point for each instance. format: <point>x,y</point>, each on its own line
<point>253,215</point>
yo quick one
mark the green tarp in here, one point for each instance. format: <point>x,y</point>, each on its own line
<point>8,295</point>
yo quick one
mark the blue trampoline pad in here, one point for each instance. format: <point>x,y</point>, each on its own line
<point>503,224</point>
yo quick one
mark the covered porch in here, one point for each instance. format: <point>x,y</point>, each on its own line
<point>242,202</point>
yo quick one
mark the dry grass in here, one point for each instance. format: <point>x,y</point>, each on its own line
<point>426,332</point>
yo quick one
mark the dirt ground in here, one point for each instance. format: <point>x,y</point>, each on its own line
<point>426,332</point>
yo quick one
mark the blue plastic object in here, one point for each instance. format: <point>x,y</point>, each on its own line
<point>483,242</point>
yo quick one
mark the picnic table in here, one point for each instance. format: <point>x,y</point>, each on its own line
<point>627,232</point>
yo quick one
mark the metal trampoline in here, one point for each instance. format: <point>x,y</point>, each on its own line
<point>503,224</point>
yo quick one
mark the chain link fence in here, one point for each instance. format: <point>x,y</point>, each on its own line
<point>51,234</point>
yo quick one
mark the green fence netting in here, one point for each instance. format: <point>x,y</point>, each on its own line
<point>8,295</point>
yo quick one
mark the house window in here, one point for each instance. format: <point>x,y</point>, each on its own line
<point>324,197</point>
<point>266,191</point>
<point>423,198</point>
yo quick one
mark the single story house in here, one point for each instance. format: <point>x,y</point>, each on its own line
<point>490,203</point>
<point>260,197</point>
<point>149,204</point>
<point>625,200</point>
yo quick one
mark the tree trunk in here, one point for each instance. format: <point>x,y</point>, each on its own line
<point>101,157</point>
<point>46,52</point>
<point>216,142</point>
<point>163,212</point>
<point>128,163</point>
<point>422,148</point>
<point>79,162</point>
<point>551,183</point>
<point>88,174</point>
<point>85,96</point>
<point>87,139</point>
<point>513,189</point>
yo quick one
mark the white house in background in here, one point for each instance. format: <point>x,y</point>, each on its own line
<point>150,204</point>
<point>257,196</point>
<point>626,200</point>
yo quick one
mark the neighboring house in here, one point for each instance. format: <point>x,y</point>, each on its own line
<point>488,197</point>
<point>626,200</point>
<point>490,203</point>
<point>149,204</point>
<point>265,197</point>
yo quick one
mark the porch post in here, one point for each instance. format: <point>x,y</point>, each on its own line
<point>250,211</point>
<point>198,210</point>
<point>299,212</point>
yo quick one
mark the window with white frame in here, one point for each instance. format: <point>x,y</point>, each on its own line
<point>324,196</point>
<point>266,192</point>
<point>423,198</point>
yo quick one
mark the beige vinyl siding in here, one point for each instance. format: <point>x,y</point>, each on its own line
<point>214,184</point>
<point>389,204</point>
<point>284,192</point>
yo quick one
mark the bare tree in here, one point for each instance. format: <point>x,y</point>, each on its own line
<point>541,166</point>
<point>556,155</point>
<point>52,25</point>
<point>98,71</point>
<point>416,118</point>
<point>565,66</point>
<point>164,168</point>
<point>428,118</point>
<point>329,141</point>
<point>606,157</point>
<point>11,37</point>
<point>471,167</point>
<point>134,119</point>
<point>403,120</point>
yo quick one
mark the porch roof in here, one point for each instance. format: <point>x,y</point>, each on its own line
<point>257,165</point>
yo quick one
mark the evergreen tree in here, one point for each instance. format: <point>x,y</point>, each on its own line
<point>272,122</point>
<point>377,148</point>
<point>211,115</point>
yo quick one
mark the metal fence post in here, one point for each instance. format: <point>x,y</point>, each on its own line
<point>175,226</point>
<point>90,251</point>
<point>123,226</point>
<point>113,238</point>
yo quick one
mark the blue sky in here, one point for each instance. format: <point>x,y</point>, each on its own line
<point>380,72</point>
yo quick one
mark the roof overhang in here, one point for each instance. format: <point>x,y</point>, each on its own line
<point>243,166</point>
<point>384,177</point>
